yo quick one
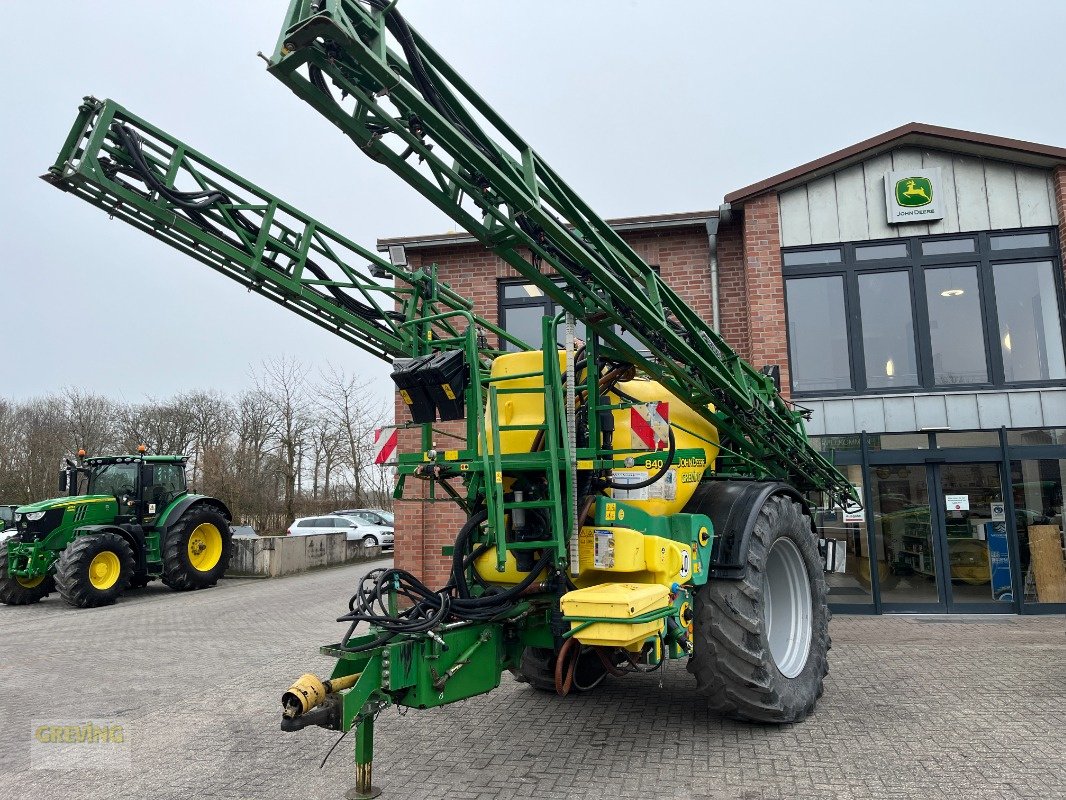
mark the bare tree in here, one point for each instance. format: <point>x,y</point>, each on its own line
<point>210,418</point>
<point>284,382</point>
<point>41,440</point>
<point>92,421</point>
<point>342,399</point>
<point>163,427</point>
<point>327,449</point>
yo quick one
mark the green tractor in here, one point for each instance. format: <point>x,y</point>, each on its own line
<point>135,522</point>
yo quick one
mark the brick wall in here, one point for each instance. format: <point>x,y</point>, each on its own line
<point>765,287</point>
<point>423,527</point>
<point>733,289</point>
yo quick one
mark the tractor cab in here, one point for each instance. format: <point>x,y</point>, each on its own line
<point>143,485</point>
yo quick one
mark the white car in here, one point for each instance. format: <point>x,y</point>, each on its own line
<point>371,516</point>
<point>354,530</point>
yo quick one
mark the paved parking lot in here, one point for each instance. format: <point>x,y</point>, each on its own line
<point>914,707</point>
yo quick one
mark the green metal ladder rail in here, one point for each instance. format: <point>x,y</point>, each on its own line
<point>481,173</point>
<point>275,264</point>
<point>548,461</point>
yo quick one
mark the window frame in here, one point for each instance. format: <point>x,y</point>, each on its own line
<point>503,303</point>
<point>545,302</point>
<point>915,263</point>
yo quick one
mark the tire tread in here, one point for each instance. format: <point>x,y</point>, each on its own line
<point>731,661</point>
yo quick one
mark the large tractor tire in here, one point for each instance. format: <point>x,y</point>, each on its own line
<point>760,643</point>
<point>22,591</point>
<point>196,552</point>
<point>94,570</point>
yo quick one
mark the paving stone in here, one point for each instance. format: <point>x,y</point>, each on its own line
<point>970,707</point>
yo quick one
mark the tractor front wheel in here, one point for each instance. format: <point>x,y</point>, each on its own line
<point>94,570</point>
<point>197,551</point>
<point>760,642</point>
<point>22,591</point>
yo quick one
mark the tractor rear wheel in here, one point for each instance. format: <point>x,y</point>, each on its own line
<point>22,591</point>
<point>94,570</point>
<point>760,643</point>
<point>196,552</point>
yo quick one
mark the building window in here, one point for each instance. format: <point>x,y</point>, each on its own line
<point>1037,488</point>
<point>934,313</point>
<point>955,330</point>
<point>887,330</point>
<point>522,308</point>
<point>1030,336</point>
<point>818,334</point>
<point>799,258</point>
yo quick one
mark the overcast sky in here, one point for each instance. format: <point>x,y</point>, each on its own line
<point>643,107</point>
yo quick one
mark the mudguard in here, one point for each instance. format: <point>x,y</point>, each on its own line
<point>177,509</point>
<point>133,534</point>
<point>733,507</point>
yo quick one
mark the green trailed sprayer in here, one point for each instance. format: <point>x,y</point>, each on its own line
<point>631,497</point>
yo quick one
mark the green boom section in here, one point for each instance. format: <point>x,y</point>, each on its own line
<point>155,182</point>
<point>405,107</point>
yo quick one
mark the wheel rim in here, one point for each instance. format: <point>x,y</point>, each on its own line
<point>30,583</point>
<point>104,570</point>
<point>369,541</point>
<point>787,607</point>
<point>205,547</point>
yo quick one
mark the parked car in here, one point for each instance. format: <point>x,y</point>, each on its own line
<point>354,529</point>
<point>371,516</point>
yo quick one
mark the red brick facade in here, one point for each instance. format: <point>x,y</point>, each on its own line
<point>765,287</point>
<point>733,290</point>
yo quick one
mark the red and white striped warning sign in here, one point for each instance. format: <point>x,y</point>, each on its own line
<point>650,423</point>
<point>385,440</point>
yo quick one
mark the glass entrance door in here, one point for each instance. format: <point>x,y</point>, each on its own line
<point>976,538</point>
<point>941,538</point>
<point>906,544</point>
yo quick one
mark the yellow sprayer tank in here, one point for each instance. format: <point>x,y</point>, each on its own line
<point>670,494</point>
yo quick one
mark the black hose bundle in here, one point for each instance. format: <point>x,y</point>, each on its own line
<point>194,204</point>
<point>424,79</point>
<point>428,609</point>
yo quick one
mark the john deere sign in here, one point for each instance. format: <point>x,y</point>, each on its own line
<point>914,195</point>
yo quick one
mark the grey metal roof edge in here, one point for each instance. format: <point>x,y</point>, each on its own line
<point>624,224</point>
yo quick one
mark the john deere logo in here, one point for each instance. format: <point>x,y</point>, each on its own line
<point>914,192</point>
<point>909,195</point>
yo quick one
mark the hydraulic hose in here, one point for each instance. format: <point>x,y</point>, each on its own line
<point>460,549</point>
<point>195,203</point>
